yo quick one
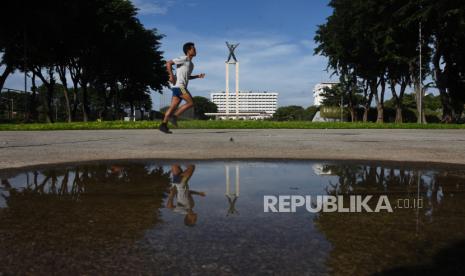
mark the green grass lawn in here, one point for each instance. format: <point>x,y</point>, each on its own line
<point>196,124</point>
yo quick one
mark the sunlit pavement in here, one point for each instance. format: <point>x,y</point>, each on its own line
<point>24,148</point>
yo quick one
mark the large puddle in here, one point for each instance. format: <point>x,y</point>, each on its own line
<point>129,218</point>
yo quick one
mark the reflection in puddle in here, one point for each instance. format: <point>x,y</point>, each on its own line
<point>134,217</point>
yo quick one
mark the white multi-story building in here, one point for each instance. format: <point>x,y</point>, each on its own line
<point>251,105</point>
<point>318,92</point>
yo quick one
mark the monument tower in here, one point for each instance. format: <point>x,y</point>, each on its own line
<point>234,62</point>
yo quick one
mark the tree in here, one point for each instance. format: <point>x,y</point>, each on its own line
<point>203,105</point>
<point>289,113</point>
<point>311,111</point>
<point>332,96</point>
<point>445,23</point>
<point>100,44</point>
<point>348,41</point>
<point>397,41</point>
<point>377,43</point>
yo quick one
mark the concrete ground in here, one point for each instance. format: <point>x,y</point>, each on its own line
<point>26,148</point>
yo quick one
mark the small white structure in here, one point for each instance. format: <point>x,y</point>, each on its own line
<point>319,169</point>
<point>318,92</point>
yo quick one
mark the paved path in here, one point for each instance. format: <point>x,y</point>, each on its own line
<point>24,148</point>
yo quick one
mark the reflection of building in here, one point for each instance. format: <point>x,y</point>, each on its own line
<point>318,92</point>
<point>319,169</point>
<point>232,196</point>
<point>250,105</point>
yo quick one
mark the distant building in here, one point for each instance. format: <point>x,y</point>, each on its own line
<point>249,105</point>
<point>318,92</point>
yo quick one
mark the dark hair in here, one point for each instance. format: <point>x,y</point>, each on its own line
<point>187,46</point>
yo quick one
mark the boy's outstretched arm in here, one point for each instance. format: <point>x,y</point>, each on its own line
<point>197,193</point>
<point>199,76</point>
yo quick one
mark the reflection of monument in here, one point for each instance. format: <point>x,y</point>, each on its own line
<point>232,196</point>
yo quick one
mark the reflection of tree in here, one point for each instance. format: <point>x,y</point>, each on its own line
<point>82,214</point>
<point>367,243</point>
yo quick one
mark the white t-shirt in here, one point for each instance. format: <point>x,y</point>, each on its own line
<point>184,68</point>
<point>183,200</point>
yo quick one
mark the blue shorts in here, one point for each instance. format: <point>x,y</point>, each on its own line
<point>179,91</point>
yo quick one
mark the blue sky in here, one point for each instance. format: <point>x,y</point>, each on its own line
<point>275,51</point>
<point>276,42</point>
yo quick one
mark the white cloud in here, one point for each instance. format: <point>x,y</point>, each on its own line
<point>147,7</point>
<point>268,62</point>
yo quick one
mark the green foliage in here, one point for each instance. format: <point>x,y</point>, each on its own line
<point>377,43</point>
<point>332,95</point>
<point>294,113</point>
<point>289,113</point>
<point>110,56</point>
<point>311,111</point>
<point>203,105</point>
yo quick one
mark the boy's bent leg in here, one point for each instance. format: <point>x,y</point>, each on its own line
<point>189,102</point>
<point>174,104</point>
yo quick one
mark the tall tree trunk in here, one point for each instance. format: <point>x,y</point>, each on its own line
<point>117,103</point>
<point>8,70</point>
<point>49,85</point>
<point>85,104</point>
<point>113,102</point>
<point>132,111</point>
<point>74,72</point>
<point>350,104</point>
<point>365,114</point>
<point>398,98</point>
<point>141,113</point>
<point>353,114</point>
<point>32,115</point>
<point>369,91</point>
<point>380,102</point>
<point>75,100</point>
<point>107,101</point>
<point>439,78</point>
<point>62,74</point>
<point>50,94</point>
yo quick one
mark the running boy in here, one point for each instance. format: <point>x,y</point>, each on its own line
<point>183,194</point>
<point>184,67</point>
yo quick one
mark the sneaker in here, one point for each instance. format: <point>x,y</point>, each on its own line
<point>164,128</point>
<point>174,120</point>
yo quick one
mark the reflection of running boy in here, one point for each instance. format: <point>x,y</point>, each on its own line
<point>180,190</point>
<point>184,67</point>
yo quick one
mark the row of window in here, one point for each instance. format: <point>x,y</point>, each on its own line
<point>253,102</point>
<point>244,97</point>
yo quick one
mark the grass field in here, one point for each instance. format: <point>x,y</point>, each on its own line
<point>195,124</point>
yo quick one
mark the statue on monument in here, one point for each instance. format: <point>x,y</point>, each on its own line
<point>231,48</point>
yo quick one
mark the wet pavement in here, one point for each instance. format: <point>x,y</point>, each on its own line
<point>201,217</point>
